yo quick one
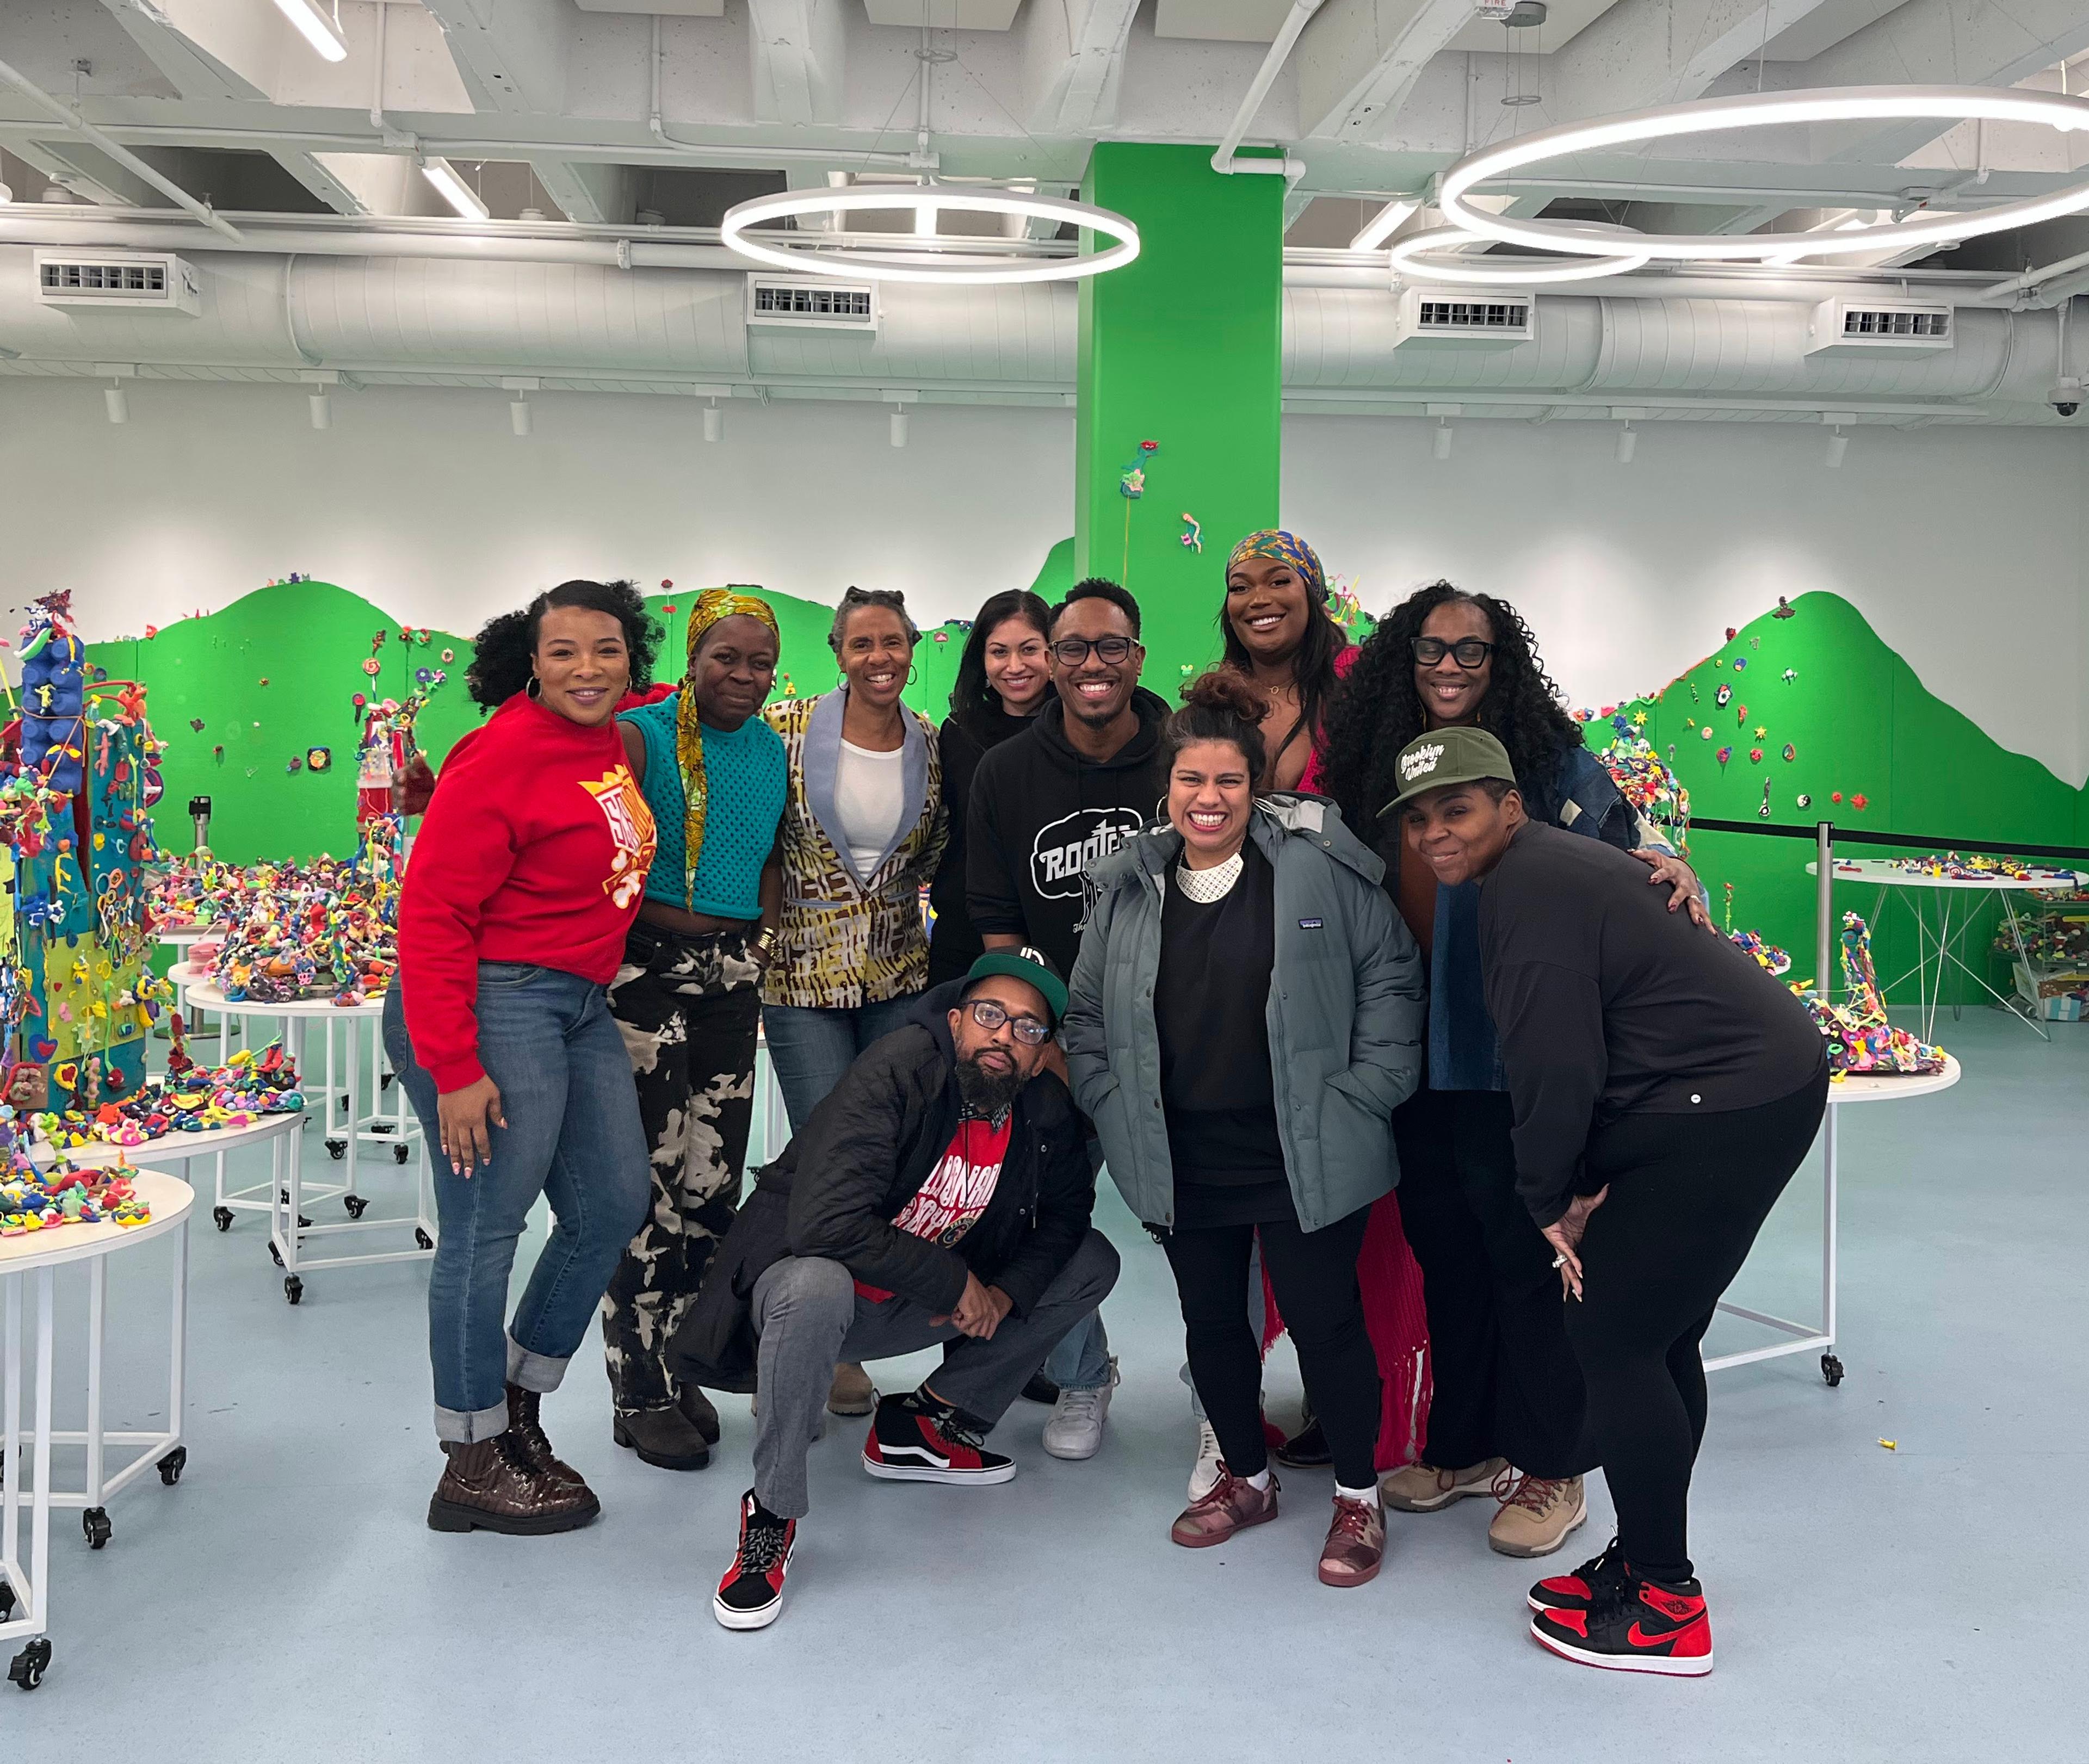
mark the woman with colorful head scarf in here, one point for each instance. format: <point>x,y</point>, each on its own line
<point>687,997</point>
<point>1278,633</point>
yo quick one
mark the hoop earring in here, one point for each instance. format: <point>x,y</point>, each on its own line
<point>913,674</point>
<point>535,688</point>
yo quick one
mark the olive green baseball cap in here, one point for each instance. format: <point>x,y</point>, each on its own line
<point>1447,756</point>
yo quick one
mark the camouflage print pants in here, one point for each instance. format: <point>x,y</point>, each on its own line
<point>688,1008</point>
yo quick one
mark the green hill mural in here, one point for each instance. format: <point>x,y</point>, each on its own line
<point>274,674</point>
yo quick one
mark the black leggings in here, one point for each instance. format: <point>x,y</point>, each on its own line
<point>1314,1274</point>
<point>1689,1194</point>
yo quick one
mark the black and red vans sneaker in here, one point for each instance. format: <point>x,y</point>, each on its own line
<point>751,1594</point>
<point>914,1438</point>
<point>1578,1590</point>
<point>1635,1625</point>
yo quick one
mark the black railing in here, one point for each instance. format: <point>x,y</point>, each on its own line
<point>1853,835</point>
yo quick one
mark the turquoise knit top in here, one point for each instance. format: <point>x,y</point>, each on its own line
<point>744,773</point>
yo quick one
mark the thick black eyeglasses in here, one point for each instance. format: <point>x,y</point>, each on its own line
<point>990,1016</point>
<point>1074,651</point>
<point>1467,652</point>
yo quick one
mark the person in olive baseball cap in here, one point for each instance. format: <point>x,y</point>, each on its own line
<point>1033,967</point>
<point>1445,757</point>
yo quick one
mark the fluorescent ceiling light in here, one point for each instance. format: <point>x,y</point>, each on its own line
<point>1756,110</point>
<point>454,191</point>
<point>821,258</point>
<point>1496,272</point>
<point>315,27</point>
<point>1382,225</point>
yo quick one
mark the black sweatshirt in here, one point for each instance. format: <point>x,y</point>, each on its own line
<point>1606,1004</point>
<point>954,943</point>
<point>1041,813</point>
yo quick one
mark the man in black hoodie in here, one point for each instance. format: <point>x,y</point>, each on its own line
<point>940,1193</point>
<point>1045,804</point>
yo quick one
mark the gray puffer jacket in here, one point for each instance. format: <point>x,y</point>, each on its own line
<point>1345,1013</point>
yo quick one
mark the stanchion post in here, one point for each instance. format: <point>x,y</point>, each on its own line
<point>1824,907</point>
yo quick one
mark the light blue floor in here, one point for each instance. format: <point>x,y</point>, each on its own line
<point>287,1602</point>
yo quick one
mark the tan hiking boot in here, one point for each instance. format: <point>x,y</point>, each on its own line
<point>1423,1487</point>
<point>1538,1514</point>
<point>851,1392</point>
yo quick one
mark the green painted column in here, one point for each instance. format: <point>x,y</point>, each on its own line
<point>1181,348</point>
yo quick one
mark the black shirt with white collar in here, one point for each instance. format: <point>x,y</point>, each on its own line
<point>1606,1004</point>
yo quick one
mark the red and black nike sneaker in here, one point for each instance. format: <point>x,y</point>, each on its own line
<point>1635,1625</point>
<point>1578,1590</point>
<point>914,1438</point>
<point>751,1594</point>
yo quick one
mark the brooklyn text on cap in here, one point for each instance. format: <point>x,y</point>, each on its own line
<point>1447,756</point>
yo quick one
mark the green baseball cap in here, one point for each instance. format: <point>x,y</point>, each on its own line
<point>1032,967</point>
<point>1447,756</point>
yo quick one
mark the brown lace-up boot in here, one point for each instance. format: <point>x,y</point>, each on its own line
<point>493,1485</point>
<point>525,1412</point>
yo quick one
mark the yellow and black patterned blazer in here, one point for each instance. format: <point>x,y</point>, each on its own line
<point>846,939</point>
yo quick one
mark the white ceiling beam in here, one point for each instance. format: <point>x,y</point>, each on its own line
<point>800,53</point>
<point>512,55</point>
<point>599,195</point>
<point>1943,42</point>
<point>1073,63</point>
<point>1359,59</point>
<point>1650,52</point>
<point>88,174</point>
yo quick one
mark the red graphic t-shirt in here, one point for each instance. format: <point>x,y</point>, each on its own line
<point>951,1202</point>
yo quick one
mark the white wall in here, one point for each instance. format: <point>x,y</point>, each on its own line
<point>1965,548</point>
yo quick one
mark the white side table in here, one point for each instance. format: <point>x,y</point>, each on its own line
<point>27,1583</point>
<point>1806,1337</point>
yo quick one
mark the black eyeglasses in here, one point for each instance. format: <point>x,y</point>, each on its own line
<point>1074,651</point>
<point>1467,652</point>
<point>990,1016</point>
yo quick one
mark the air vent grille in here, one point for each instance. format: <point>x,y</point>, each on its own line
<point>1868,322</point>
<point>1879,328</point>
<point>1468,315</point>
<point>145,280</point>
<point>812,301</point>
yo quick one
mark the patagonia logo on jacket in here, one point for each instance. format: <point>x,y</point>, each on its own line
<point>1064,849</point>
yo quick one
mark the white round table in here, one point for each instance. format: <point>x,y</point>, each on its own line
<point>180,1148</point>
<point>346,1135</point>
<point>1809,1337</point>
<point>27,1583</point>
<point>1943,945</point>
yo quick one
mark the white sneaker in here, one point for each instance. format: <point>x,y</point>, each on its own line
<point>1204,1473</point>
<point>1075,1429</point>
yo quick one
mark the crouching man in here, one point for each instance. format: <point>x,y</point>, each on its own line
<point>942,1194</point>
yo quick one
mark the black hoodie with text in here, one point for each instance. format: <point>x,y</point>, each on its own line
<point>1041,813</point>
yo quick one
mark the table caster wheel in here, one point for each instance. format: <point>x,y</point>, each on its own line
<point>293,1289</point>
<point>94,1526</point>
<point>275,1255</point>
<point>336,1149</point>
<point>221,1218</point>
<point>304,1224</point>
<point>282,1197</point>
<point>355,1203</point>
<point>1831,1369</point>
<point>171,1467</point>
<point>7,1601</point>
<point>384,1080</point>
<point>423,1239</point>
<point>29,1665</point>
<point>400,1154</point>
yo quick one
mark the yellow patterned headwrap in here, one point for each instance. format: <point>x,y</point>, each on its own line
<point>711,606</point>
<point>1284,547</point>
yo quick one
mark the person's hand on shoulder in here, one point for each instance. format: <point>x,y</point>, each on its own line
<point>1686,895</point>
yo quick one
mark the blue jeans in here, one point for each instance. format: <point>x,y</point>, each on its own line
<point>546,1039</point>
<point>809,1049</point>
<point>1081,1360</point>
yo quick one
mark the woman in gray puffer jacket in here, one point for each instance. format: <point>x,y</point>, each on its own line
<point>1246,1015</point>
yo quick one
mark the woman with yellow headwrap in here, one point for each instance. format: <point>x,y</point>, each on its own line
<point>687,997</point>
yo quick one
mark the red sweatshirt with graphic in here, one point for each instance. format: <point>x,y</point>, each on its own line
<point>534,849</point>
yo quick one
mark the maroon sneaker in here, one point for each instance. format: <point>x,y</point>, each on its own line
<point>913,1438</point>
<point>751,1594</point>
<point>1355,1545</point>
<point>1634,1625</point>
<point>1233,1504</point>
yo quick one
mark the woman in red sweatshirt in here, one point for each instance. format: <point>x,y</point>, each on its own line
<point>528,873</point>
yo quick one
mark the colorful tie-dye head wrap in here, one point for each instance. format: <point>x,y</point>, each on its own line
<point>711,606</point>
<point>1287,548</point>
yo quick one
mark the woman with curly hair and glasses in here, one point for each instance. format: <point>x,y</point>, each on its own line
<point>1506,1416</point>
<point>524,883</point>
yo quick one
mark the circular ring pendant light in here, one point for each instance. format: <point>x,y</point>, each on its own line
<point>926,264</point>
<point>1756,110</point>
<point>1493,272</point>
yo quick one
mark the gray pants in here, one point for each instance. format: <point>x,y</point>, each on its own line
<point>808,1315</point>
